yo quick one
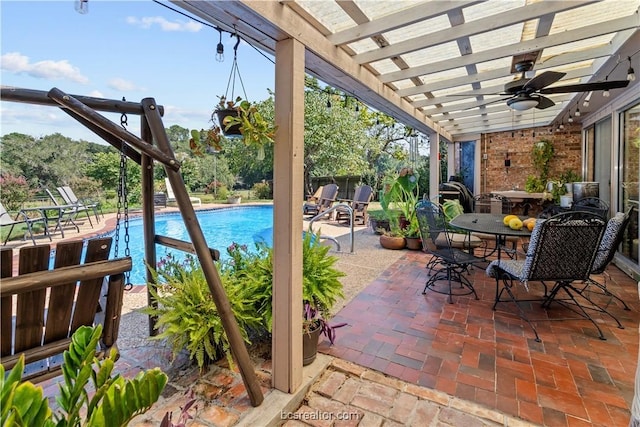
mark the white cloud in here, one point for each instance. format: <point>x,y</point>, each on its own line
<point>148,21</point>
<point>17,63</point>
<point>96,94</point>
<point>120,84</point>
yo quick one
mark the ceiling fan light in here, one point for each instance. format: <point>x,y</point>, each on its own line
<point>521,103</point>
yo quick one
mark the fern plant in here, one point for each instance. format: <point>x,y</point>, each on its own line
<point>116,400</point>
<point>187,314</point>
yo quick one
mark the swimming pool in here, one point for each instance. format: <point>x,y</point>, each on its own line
<point>243,225</point>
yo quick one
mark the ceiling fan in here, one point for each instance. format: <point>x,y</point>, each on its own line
<point>526,93</point>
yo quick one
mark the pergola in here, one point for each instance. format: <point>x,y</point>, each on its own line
<point>407,59</point>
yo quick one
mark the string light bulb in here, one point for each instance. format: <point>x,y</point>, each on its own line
<point>82,6</point>
<point>631,74</point>
<point>570,119</point>
<point>606,93</point>
<point>585,103</point>
<point>220,49</point>
<point>577,112</point>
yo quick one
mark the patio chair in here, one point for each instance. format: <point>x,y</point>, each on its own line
<point>592,204</point>
<point>71,199</point>
<point>613,235</point>
<point>171,197</point>
<point>498,205</point>
<point>327,197</point>
<point>313,198</point>
<point>562,250</point>
<point>66,213</point>
<point>21,218</point>
<point>359,204</point>
<point>437,240</point>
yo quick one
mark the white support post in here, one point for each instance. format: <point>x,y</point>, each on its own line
<point>287,212</point>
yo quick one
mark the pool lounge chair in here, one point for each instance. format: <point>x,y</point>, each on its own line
<point>171,197</point>
<point>21,218</point>
<point>70,198</point>
<point>78,208</point>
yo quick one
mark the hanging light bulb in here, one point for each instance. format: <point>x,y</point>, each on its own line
<point>631,75</point>
<point>82,6</point>
<point>585,103</point>
<point>561,126</point>
<point>570,119</point>
<point>606,91</point>
<point>577,112</point>
<point>220,49</point>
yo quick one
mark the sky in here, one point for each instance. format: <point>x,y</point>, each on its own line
<point>131,49</point>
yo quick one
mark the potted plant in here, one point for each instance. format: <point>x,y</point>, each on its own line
<point>401,192</point>
<point>225,111</point>
<point>394,237</point>
<point>412,235</point>
<point>234,119</point>
<point>378,221</point>
<point>234,198</point>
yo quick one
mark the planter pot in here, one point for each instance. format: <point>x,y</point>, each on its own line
<point>234,200</point>
<point>391,242</point>
<point>379,224</point>
<point>414,243</point>
<point>310,345</point>
<point>233,130</point>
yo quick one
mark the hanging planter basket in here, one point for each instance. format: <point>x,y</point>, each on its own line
<point>233,130</point>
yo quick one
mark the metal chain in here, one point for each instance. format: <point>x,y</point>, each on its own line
<point>123,203</point>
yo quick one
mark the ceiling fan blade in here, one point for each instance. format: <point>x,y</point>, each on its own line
<point>543,80</point>
<point>495,101</point>
<point>587,87</point>
<point>478,93</point>
<point>544,102</point>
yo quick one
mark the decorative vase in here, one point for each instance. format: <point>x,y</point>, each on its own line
<point>310,345</point>
<point>233,130</point>
<point>414,243</point>
<point>392,242</point>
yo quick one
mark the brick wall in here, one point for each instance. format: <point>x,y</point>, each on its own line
<point>518,145</point>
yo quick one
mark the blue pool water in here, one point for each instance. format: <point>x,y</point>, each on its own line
<point>221,227</point>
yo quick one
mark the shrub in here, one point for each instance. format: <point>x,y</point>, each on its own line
<point>14,190</point>
<point>187,314</point>
<point>262,190</point>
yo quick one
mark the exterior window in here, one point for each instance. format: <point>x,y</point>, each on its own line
<point>630,178</point>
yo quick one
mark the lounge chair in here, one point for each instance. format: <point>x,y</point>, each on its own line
<point>171,197</point>
<point>77,206</point>
<point>21,218</point>
<point>327,197</point>
<point>361,199</point>
<point>70,198</point>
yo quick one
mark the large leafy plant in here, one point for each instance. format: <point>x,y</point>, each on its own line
<point>187,314</point>
<point>401,193</point>
<point>116,400</point>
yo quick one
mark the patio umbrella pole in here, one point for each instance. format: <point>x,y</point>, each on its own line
<point>229,323</point>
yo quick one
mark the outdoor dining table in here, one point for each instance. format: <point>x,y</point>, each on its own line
<point>488,224</point>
